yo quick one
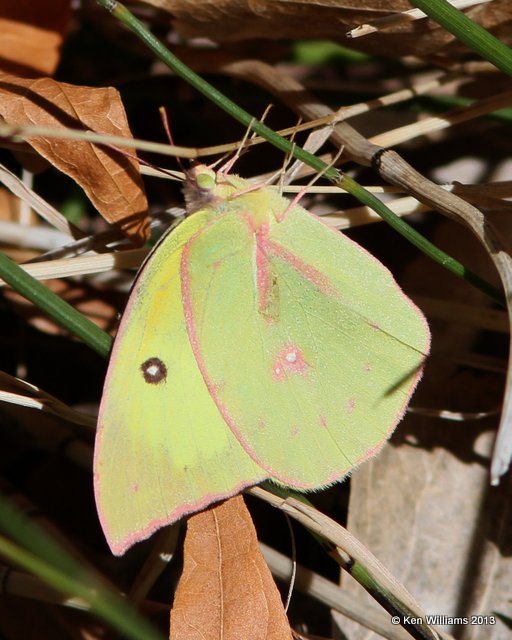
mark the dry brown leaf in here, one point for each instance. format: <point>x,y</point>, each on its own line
<point>231,20</point>
<point>226,589</point>
<point>111,180</point>
<point>32,35</point>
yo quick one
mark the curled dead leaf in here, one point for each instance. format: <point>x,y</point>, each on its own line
<point>111,180</point>
<point>226,589</point>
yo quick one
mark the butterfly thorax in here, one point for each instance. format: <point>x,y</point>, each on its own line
<point>226,193</point>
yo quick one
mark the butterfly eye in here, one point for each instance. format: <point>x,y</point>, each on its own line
<point>154,371</point>
<point>205,179</point>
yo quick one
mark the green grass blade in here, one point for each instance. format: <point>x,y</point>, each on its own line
<point>38,553</point>
<point>467,31</point>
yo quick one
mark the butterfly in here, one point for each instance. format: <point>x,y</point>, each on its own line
<point>258,343</point>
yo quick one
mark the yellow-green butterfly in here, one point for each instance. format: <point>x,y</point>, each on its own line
<point>257,343</point>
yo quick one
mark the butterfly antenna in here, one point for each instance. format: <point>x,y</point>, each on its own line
<point>242,147</point>
<point>226,168</point>
<point>167,128</point>
<point>314,141</point>
<point>287,160</point>
<point>331,164</point>
<point>305,188</point>
<point>314,179</point>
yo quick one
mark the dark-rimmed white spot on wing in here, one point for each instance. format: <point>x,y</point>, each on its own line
<point>154,371</point>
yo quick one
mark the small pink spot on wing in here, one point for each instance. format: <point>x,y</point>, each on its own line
<point>289,361</point>
<point>367,367</point>
<point>295,431</point>
<point>135,487</point>
<point>323,422</point>
<point>278,372</point>
<point>351,405</point>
